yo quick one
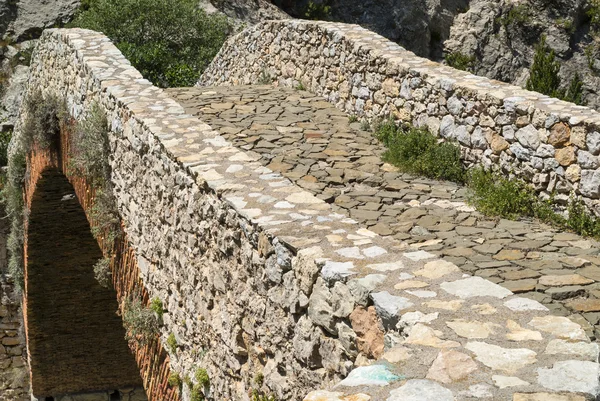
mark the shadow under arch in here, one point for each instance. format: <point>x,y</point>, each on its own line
<point>76,341</point>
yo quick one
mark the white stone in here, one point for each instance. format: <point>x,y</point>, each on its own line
<point>419,255</point>
<point>588,351</point>
<point>373,251</point>
<point>352,252</point>
<point>421,390</point>
<point>508,381</point>
<point>524,304</point>
<point>412,318</point>
<point>475,287</point>
<point>573,376</point>
<point>337,270</point>
<point>509,360</point>
<point>559,326</point>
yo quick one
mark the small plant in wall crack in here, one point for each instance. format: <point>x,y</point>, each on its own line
<point>201,389</point>
<point>102,272</point>
<point>140,322</point>
<point>172,343</point>
<point>157,306</point>
<point>175,380</point>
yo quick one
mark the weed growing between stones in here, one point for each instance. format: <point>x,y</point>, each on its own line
<point>140,322</point>
<point>264,78</point>
<point>202,386</point>
<point>102,272</point>
<point>175,380</point>
<point>417,151</point>
<point>41,128</point>
<point>157,306</point>
<point>172,343</point>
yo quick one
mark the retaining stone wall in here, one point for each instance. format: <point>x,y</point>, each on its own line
<point>547,142</point>
<point>261,278</point>
<point>14,380</point>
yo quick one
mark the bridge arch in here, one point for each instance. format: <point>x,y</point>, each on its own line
<point>76,341</point>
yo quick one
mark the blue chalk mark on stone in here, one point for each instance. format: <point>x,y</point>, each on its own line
<point>374,375</point>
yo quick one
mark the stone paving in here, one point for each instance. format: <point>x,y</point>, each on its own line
<point>317,147</point>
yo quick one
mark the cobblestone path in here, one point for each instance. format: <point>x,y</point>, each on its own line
<point>309,141</point>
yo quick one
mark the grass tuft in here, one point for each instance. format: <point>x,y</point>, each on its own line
<point>417,151</point>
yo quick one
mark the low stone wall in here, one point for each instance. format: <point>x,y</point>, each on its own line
<point>14,380</point>
<point>269,290</point>
<point>547,142</point>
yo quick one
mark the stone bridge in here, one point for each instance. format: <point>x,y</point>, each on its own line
<point>290,261</point>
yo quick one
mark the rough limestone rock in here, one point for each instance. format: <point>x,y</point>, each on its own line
<point>26,19</point>
<point>503,47</point>
<point>248,12</point>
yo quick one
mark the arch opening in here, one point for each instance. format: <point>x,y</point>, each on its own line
<point>76,340</point>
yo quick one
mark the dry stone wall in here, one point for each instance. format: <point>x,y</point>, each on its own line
<point>549,143</point>
<point>268,289</point>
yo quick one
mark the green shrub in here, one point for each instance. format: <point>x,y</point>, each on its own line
<point>543,74</point>
<point>567,24</point>
<point>418,152</point>
<point>574,93</point>
<point>157,306</point>
<point>90,148</point>
<point>544,78</point>
<point>495,195</point>
<point>172,343</point>
<point>581,221</point>
<point>102,272</point>
<point>140,322</point>
<point>518,15</point>
<point>460,61</point>
<point>170,42</point>
<point>317,11</point>
<point>594,13</point>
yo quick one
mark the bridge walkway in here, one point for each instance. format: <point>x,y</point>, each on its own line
<point>316,146</point>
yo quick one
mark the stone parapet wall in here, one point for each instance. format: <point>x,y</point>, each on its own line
<point>549,143</point>
<point>267,288</point>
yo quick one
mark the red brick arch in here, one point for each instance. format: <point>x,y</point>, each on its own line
<point>75,339</point>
